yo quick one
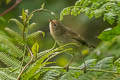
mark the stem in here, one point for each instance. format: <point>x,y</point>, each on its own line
<point>41,9</point>
<point>24,35</point>
<point>24,51</point>
<point>31,59</point>
<point>24,39</point>
<point>67,66</point>
<point>78,68</point>
<point>11,8</point>
<point>23,55</point>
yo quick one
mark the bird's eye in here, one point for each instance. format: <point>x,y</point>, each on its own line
<point>55,25</point>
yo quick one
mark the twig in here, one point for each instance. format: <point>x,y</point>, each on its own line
<point>24,30</point>
<point>11,8</point>
<point>46,10</point>
<point>31,59</point>
<point>78,68</point>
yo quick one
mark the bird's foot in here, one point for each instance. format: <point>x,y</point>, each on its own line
<point>84,69</point>
<point>66,67</point>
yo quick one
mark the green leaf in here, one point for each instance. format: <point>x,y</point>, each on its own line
<point>15,35</point>
<point>23,15</point>
<point>75,11</point>
<point>35,49</point>
<point>109,17</point>
<point>98,13</point>
<point>29,18</point>
<point>8,1</point>
<point>9,60</point>
<point>5,76</point>
<point>79,3</point>
<point>72,75</point>
<point>106,63</point>
<point>89,63</point>
<point>117,65</point>
<point>31,26</point>
<point>2,19</point>
<point>51,75</point>
<point>10,48</point>
<point>43,5</point>
<point>39,74</point>
<point>46,51</point>
<point>37,65</point>
<point>35,35</point>
<point>19,24</point>
<point>110,34</point>
<point>65,11</point>
<point>86,3</point>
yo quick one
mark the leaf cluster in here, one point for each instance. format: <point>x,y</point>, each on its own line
<point>107,9</point>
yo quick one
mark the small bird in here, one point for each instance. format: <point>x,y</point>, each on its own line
<point>64,35</point>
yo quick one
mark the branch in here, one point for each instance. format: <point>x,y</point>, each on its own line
<point>46,10</point>
<point>78,68</point>
<point>11,8</point>
<point>31,59</point>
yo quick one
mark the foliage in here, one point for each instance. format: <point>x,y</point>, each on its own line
<point>97,71</point>
<point>13,56</point>
<point>107,9</point>
<point>22,61</point>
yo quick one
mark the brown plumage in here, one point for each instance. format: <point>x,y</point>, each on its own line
<point>64,35</point>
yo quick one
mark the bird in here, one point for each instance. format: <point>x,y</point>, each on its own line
<point>63,35</point>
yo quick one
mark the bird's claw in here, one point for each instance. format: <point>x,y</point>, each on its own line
<point>66,68</point>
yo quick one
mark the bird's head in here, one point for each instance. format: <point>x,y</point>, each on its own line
<point>55,27</point>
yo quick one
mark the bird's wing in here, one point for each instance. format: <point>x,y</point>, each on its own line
<point>82,41</point>
<point>76,37</point>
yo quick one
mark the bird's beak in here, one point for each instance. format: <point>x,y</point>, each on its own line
<point>51,27</point>
<point>51,23</point>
